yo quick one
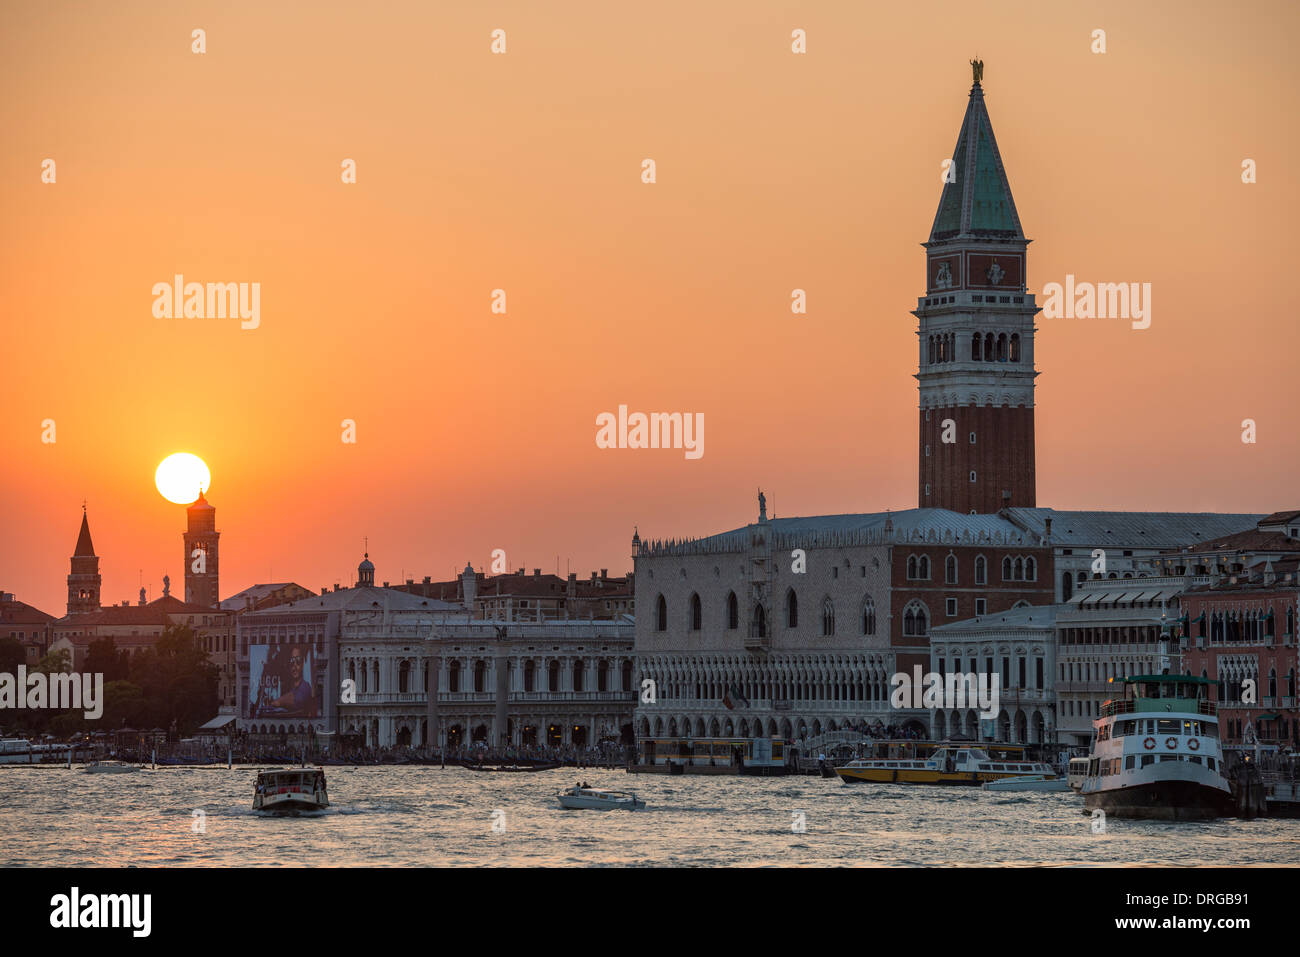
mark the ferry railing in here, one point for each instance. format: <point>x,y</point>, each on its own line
<point>1111,708</point>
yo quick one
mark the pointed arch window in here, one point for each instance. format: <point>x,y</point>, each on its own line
<point>975,348</point>
<point>988,347</point>
<point>791,609</point>
<point>758,622</point>
<point>733,612</point>
<point>661,614</point>
<point>697,613</point>
<point>868,616</point>
<point>1015,347</point>
<point>1031,569</point>
<point>828,616</point>
<point>916,622</point>
<point>1006,569</point>
<point>981,570</point>
<point>950,570</point>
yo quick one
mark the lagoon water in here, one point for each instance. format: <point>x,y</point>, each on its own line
<point>426,816</point>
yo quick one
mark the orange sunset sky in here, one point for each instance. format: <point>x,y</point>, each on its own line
<point>521,171</point>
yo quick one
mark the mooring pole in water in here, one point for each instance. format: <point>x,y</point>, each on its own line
<point>153,760</point>
<point>230,760</point>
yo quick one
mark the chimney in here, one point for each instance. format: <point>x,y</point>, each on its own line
<point>537,573</point>
<point>604,573</point>
<point>325,590</point>
<point>1048,532</point>
<point>427,580</point>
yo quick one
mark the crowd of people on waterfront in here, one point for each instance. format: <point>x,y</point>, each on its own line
<point>604,755</point>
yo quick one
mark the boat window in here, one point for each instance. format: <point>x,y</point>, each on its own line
<point>985,767</point>
<point>1195,759</point>
<point>1130,762</point>
<point>1209,763</point>
<point>1168,757</point>
<point>1167,726</point>
<point>999,767</point>
<point>1148,760</point>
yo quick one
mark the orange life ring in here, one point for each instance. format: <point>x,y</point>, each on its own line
<point>1149,743</point>
<point>1194,743</point>
<point>1171,743</point>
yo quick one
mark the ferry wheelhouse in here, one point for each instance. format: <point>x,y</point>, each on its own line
<point>1156,754</point>
<point>301,789</point>
<point>956,764</point>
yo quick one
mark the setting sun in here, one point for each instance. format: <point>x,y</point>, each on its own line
<point>181,477</point>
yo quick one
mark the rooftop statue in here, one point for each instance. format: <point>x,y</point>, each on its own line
<point>977,70</point>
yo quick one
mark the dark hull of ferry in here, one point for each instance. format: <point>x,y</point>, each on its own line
<point>1163,801</point>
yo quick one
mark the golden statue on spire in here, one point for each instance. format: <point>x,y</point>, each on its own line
<point>977,70</point>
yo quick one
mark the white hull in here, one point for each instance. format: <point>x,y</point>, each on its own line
<point>592,800</point>
<point>285,803</point>
<point>1028,784</point>
<point>109,768</point>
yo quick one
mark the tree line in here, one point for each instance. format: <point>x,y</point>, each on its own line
<point>170,685</point>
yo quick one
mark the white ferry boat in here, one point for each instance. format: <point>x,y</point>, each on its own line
<point>950,764</point>
<point>299,789</point>
<point>1156,754</point>
<point>18,751</point>
<point>1028,782</point>
<point>598,799</point>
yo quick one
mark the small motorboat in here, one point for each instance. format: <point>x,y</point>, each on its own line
<point>1028,782</point>
<point>599,799</point>
<point>290,791</point>
<point>109,767</point>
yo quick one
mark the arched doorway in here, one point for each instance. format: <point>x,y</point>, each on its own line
<point>554,735</point>
<point>403,737</point>
<point>579,736</point>
<point>528,736</point>
<point>455,736</point>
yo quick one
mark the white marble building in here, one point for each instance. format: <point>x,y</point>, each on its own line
<point>1019,647</point>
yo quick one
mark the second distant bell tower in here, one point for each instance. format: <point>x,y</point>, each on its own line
<point>201,569</point>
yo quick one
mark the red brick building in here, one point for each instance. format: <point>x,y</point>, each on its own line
<point>26,624</point>
<point>1242,628</point>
